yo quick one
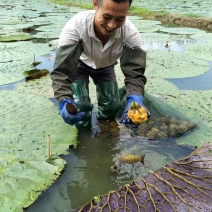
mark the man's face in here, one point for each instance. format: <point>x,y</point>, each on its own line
<point>109,17</point>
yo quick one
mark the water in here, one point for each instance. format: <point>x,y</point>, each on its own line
<point>88,172</point>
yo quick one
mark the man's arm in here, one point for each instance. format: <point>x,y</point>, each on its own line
<point>65,70</point>
<point>133,65</point>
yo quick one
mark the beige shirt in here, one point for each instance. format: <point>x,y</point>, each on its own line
<point>95,55</point>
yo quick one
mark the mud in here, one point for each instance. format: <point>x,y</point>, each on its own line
<point>195,22</point>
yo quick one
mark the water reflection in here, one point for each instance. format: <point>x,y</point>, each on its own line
<point>174,45</point>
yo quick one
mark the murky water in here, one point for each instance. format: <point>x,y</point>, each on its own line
<point>88,172</point>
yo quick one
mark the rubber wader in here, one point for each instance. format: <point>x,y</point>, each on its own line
<point>108,100</point>
<point>81,97</point>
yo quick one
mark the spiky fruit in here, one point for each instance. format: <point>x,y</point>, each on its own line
<point>137,113</point>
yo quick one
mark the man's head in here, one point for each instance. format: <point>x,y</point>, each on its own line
<point>110,15</point>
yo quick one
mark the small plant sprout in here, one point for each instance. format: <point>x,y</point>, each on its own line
<point>34,64</point>
<point>48,146</point>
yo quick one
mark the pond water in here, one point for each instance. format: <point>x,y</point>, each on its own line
<point>88,171</point>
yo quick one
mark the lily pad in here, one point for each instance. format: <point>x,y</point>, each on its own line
<point>207,37</point>
<point>13,71</point>
<point>12,21</point>
<point>161,87</point>
<point>24,170</point>
<point>53,44</point>
<point>50,28</point>
<point>149,28</point>
<point>17,37</point>
<point>42,86</point>
<point>146,22</point>
<point>49,35</point>
<point>202,51</point>
<point>182,30</point>
<point>174,64</point>
<point>149,37</point>
<point>132,18</point>
<point>22,50</point>
<point>195,104</point>
<point>15,29</point>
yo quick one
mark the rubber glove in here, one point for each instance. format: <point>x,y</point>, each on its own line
<point>69,112</point>
<point>136,98</point>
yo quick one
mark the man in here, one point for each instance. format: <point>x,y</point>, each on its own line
<point>89,46</point>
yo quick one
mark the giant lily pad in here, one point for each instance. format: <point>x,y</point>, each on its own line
<point>13,71</point>
<point>15,37</point>
<point>201,51</point>
<point>42,86</point>
<point>25,170</point>
<point>22,50</point>
<point>207,37</point>
<point>174,64</point>
<point>48,35</point>
<point>148,37</point>
<point>161,87</point>
<point>149,28</point>
<point>195,104</point>
<point>182,30</point>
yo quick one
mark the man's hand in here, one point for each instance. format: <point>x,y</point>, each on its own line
<point>132,98</point>
<point>69,112</point>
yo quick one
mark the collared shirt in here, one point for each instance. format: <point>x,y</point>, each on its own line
<point>95,55</point>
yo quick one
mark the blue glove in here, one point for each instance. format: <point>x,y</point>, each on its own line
<point>70,118</point>
<point>136,98</point>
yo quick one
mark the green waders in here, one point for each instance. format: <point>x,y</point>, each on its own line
<point>108,100</point>
<point>81,97</point>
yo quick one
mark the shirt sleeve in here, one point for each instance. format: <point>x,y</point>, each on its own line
<point>133,61</point>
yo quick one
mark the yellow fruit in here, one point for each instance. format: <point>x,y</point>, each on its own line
<point>137,113</point>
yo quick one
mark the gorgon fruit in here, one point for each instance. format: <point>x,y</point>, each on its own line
<point>137,113</point>
<point>130,159</point>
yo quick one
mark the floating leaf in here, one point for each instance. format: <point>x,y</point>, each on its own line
<point>22,50</point>
<point>174,64</point>
<point>182,30</point>
<point>42,86</point>
<point>202,51</point>
<point>148,37</point>
<point>18,37</point>
<point>23,148</point>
